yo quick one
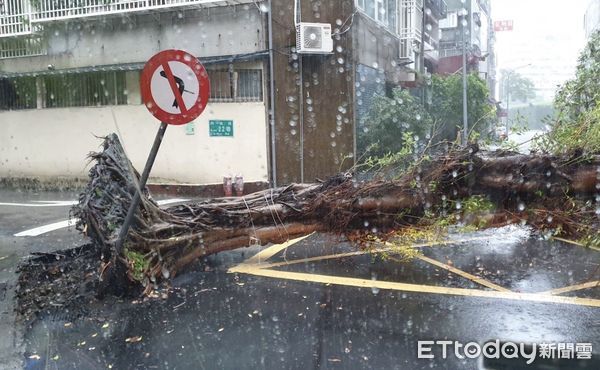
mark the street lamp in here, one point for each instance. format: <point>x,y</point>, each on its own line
<point>509,73</point>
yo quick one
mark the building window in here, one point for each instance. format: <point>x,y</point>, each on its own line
<point>85,89</point>
<point>249,85</point>
<point>18,93</point>
<point>235,85</point>
<point>383,11</point>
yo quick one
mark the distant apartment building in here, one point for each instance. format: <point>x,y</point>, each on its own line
<point>592,18</point>
<point>475,31</point>
<point>290,80</point>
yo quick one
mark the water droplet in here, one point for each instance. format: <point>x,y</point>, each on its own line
<point>275,318</point>
<point>375,290</point>
<point>454,173</point>
<point>366,223</point>
<point>521,207</point>
<point>333,144</point>
<point>375,65</point>
<point>458,205</point>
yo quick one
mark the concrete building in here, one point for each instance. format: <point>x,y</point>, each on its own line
<point>69,72</point>
<point>479,38</point>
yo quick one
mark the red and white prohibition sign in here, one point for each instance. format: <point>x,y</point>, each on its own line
<point>175,87</point>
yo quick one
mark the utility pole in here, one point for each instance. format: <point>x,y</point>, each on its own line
<point>464,68</point>
<point>509,73</point>
<point>422,51</point>
<point>507,87</point>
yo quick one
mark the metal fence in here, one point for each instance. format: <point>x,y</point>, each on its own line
<point>21,47</point>
<point>18,16</point>
<point>239,85</point>
<point>89,89</point>
<point>85,89</point>
<point>18,93</point>
<point>15,17</point>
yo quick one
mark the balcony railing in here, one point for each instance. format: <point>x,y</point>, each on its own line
<point>17,17</point>
<point>16,47</point>
<point>411,21</point>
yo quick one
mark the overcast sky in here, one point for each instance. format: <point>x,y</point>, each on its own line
<point>549,34</point>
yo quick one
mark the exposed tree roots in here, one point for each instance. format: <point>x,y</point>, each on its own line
<point>549,193</point>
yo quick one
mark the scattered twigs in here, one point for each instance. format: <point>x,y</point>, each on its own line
<point>164,241</point>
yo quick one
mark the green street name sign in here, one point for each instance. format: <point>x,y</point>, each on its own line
<point>220,128</point>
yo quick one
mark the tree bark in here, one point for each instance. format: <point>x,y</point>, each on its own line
<point>167,240</point>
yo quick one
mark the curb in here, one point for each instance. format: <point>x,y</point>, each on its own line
<point>202,190</point>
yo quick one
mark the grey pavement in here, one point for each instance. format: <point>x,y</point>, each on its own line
<point>310,305</point>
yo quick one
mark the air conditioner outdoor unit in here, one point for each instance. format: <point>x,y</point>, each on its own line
<point>314,38</point>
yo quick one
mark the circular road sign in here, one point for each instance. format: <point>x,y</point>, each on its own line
<point>175,87</point>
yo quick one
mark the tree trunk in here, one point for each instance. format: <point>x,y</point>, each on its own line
<point>162,242</point>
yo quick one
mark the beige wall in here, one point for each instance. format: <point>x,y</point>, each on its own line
<point>55,142</point>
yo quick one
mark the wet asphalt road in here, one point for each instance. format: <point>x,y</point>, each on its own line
<point>216,319</point>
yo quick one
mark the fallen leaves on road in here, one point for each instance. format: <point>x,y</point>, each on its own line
<point>134,339</point>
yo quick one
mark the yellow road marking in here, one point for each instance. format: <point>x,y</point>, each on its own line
<point>414,288</point>
<point>391,248</point>
<point>572,288</point>
<point>464,274</point>
<point>572,242</point>
<point>255,266</point>
<point>438,242</point>
<point>309,259</point>
<point>267,253</point>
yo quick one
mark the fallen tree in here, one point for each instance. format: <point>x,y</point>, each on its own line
<point>547,192</point>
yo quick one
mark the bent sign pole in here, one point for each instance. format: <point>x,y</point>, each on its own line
<point>175,89</point>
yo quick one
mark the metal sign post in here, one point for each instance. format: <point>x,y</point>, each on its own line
<point>175,89</point>
<point>135,203</point>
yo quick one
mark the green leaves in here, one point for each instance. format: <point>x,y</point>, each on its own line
<point>577,126</point>
<point>447,101</point>
<point>392,123</point>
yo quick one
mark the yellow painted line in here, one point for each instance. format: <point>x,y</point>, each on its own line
<point>572,242</point>
<point>414,288</point>
<point>464,274</point>
<point>308,259</point>
<point>437,242</point>
<point>271,251</point>
<point>267,253</point>
<point>572,288</point>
